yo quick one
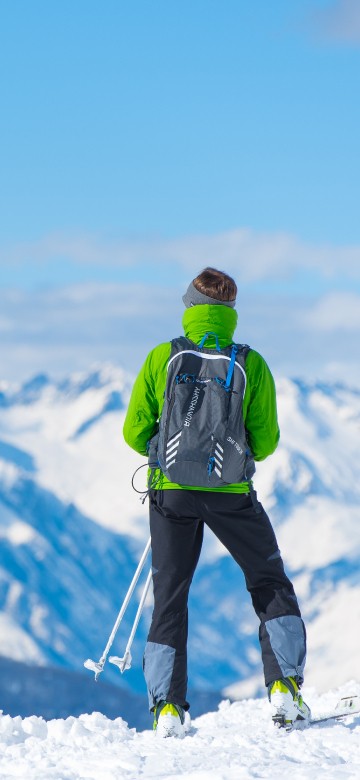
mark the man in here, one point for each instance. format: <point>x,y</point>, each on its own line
<point>179,508</point>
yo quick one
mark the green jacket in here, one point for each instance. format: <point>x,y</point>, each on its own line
<point>259,405</point>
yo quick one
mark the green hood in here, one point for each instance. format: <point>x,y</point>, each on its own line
<point>205,318</point>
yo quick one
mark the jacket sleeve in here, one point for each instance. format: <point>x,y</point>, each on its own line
<point>142,413</point>
<point>260,411</point>
<point>147,397</point>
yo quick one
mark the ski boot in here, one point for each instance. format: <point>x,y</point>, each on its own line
<point>169,720</point>
<point>287,704</point>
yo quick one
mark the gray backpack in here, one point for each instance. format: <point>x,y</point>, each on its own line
<point>202,439</point>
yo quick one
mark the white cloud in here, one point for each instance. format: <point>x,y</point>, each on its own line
<point>250,256</point>
<point>337,312</point>
<point>339,21</point>
<point>62,331</point>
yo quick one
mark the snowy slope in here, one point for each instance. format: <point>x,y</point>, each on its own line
<point>72,529</point>
<point>70,435</point>
<point>311,486</point>
<point>238,742</point>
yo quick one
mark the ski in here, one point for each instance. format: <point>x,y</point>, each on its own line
<point>348,705</point>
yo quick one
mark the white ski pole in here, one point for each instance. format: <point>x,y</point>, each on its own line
<point>125,662</point>
<point>98,666</point>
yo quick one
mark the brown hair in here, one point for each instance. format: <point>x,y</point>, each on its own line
<point>216,284</point>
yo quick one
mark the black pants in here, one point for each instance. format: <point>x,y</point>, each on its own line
<point>176,523</point>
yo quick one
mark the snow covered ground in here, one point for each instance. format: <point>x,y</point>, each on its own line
<point>238,742</point>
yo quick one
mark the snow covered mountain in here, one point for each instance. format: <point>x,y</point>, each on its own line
<point>72,530</point>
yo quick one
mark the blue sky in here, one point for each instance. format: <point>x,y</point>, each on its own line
<point>143,140</point>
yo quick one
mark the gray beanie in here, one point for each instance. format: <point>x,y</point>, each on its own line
<point>194,297</point>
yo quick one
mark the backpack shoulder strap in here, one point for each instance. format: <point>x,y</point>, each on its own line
<point>243,348</point>
<point>242,353</point>
<point>180,343</point>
